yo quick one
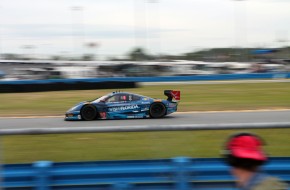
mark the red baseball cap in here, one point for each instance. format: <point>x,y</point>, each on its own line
<point>247,146</point>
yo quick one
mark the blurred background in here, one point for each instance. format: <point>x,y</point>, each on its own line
<point>106,38</point>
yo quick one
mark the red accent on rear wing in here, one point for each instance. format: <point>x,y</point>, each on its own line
<point>172,94</point>
<point>175,94</point>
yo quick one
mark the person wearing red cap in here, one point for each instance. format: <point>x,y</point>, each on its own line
<point>244,153</point>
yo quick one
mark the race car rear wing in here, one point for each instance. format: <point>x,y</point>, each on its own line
<point>172,94</point>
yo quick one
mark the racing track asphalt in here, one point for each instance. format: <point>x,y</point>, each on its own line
<point>227,117</point>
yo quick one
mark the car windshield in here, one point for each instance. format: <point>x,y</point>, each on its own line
<point>101,99</point>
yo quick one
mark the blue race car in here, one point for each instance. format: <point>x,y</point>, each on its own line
<point>123,105</point>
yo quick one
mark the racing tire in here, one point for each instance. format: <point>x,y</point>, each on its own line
<point>157,110</point>
<point>88,112</point>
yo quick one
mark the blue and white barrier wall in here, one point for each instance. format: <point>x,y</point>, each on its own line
<point>122,82</point>
<point>179,173</point>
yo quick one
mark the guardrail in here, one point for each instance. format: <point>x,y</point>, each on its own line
<point>179,173</point>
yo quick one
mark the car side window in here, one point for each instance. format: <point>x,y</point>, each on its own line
<point>135,98</point>
<point>114,98</point>
<point>123,98</point>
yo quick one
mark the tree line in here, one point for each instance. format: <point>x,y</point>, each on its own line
<point>213,54</point>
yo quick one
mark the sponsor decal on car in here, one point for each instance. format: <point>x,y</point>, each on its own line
<point>145,109</point>
<point>123,108</point>
<point>171,105</point>
<point>136,116</point>
<point>103,115</point>
<point>145,102</point>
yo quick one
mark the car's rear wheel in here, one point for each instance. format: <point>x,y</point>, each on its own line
<point>88,112</point>
<point>157,110</point>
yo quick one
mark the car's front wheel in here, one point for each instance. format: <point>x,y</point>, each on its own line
<point>88,112</point>
<point>157,110</point>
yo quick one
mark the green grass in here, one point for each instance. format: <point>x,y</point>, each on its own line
<point>116,146</point>
<point>194,97</point>
<point>131,145</point>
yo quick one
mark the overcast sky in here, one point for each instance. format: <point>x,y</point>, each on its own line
<point>160,26</point>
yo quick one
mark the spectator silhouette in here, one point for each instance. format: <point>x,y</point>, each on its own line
<point>244,153</point>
